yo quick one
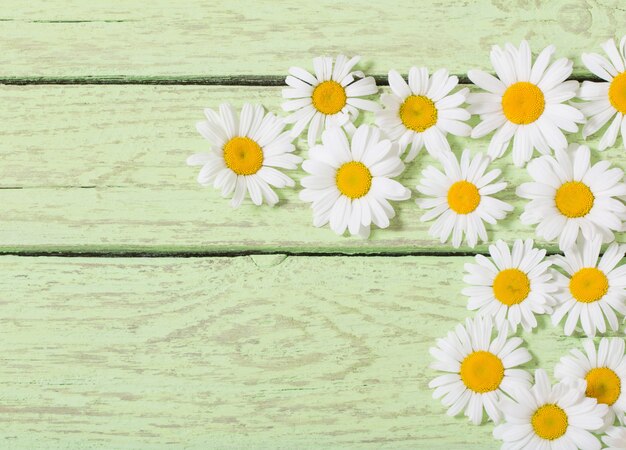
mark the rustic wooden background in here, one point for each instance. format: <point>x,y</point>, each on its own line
<point>139,310</point>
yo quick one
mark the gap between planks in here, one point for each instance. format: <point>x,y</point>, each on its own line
<point>191,80</point>
<point>227,254</point>
<point>236,254</point>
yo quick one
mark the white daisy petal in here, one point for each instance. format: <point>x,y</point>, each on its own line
<point>609,138</point>
<point>603,372</point>
<point>397,84</point>
<point>547,417</point>
<point>486,81</point>
<point>541,63</point>
<point>423,111</point>
<point>615,438</point>
<point>614,55</point>
<point>418,80</point>
<point>599,66</point>
<point>476,376</point>
<point>229,120</point>
<point>350,180</point>
<point>460,199</point>
<point>605,101</point>
<point>594,290</point>
<point>243,148</point>
<point>516,287</point>
<point>570,197</point>
<point>330,98</point>
<point>526,103</point>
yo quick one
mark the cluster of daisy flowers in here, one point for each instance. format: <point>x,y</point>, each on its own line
<point>482,360</point>
<point>351,172</point>
<point>351,182</point>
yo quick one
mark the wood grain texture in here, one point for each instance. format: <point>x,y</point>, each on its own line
<point>264,352</point>
<point>248,352</point>
<point>216,38</point>
<point>102,168</point>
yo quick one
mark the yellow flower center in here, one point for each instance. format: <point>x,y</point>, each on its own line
<point>353,179</point>
<point>617,92</point>
<point>329,97</point>
<point>588,285</point>
<point>549,422</point>
<point>482,371</point>
<point>523,103</point>
<point>463,197</point>
<point>511,286</point>
<point>418,113</point>
<point>604,385</point>
<point>243,156</point>
<point>574,199</point>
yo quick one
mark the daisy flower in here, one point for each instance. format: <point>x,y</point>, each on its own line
<point>245,153</point>
<point>480,369</point>
<point>550,417</point>
<point>525,103</point>
<point>511,287</point>
<point>606,100</point>
<point>328,98</point>
<point>603,371</point>
<point>350,182</point>
<point>571,197</point>
<point>461,198</point>
<point>591,291</point>
<point>421,113</point>
<point>615,438</point>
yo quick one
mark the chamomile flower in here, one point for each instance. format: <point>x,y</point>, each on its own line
<point>460,199</point>
<point>329,98</point>
<point>511,287</point>
<point>569,196</point>
<point>480,369</point>
<point>350,182</point>
<point>603,371</point>
<point>606,100</point>
<point>550,417</point>
<point>525,103</point>
<point>615,438</point>
<point>421,113</point>
<point>591,291</point>
<point>245,152</point>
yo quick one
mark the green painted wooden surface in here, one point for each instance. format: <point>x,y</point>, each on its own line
<point>73,38</point>
<point>254,352</point>
<point>117,180</point>
<point>261,352</point>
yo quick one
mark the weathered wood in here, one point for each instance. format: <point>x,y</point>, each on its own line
<point>102,168</point>
<point>233,353</point>
<point>254,352</point>
<point>216,38</point>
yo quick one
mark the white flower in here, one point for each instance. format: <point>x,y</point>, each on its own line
<point>421,113</point>
<point>549,417</point>
<point>513,287</point>
<point>570,196</point>
<point>461,198</point>
<point>350,183</point>
<point>480,369</point>
<point>603,372</point>
<point>328,98</point>
<point>605,100</point>
<point>526,102</point>
<point>244,153</point>
<point>591,290</point>
<point>615,438</point>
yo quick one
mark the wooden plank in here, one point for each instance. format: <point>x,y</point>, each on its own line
<point>223,38</point>
<point>233,353</point>
<point>95,168</point>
